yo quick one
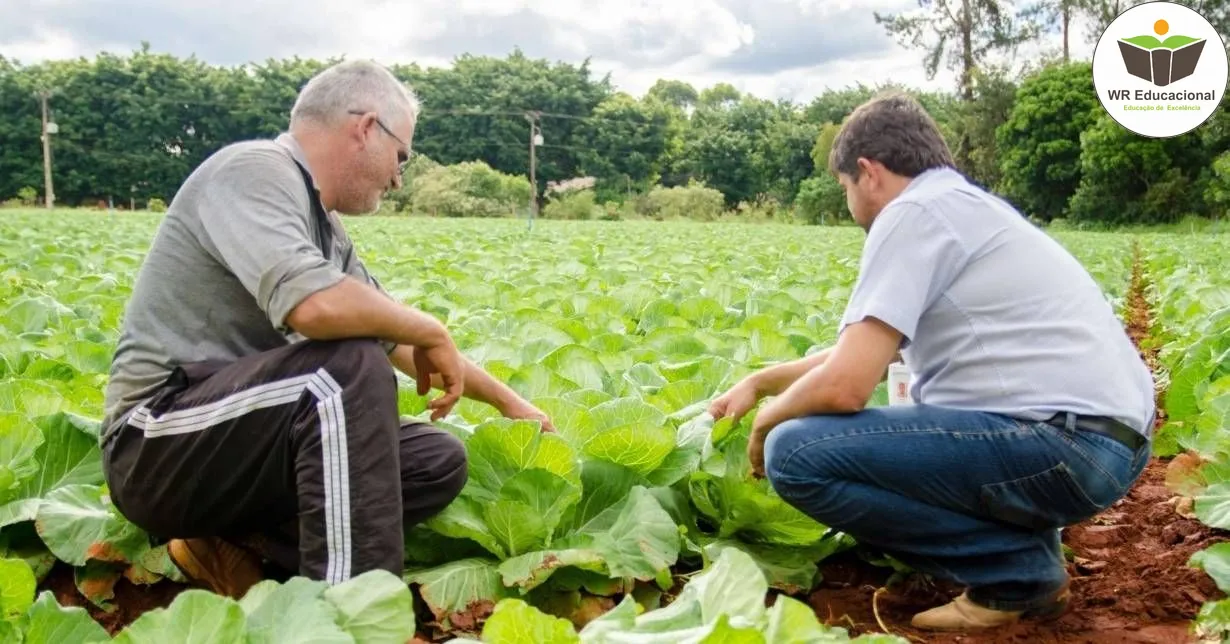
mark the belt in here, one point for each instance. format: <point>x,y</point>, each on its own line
<point>1109,427</point>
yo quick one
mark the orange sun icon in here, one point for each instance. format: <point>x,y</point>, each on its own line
<point>1161,27</point>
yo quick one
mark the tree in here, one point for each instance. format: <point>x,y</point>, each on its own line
<point>964,34</point>
<point>784,158</point>
<point>1040,148</point>
<point>674,93</point>
<point>994,97</point>
<point>625,143</point>
<point>725,146</point>
<point>476,110</point>
<point>1130,179</point>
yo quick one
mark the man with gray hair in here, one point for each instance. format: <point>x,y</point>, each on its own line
<point>252,399</point>
<point>1033,409</point>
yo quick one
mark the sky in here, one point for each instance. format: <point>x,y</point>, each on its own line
<point>778,49</point>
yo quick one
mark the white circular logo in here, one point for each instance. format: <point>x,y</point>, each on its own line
<point>1159,69</point>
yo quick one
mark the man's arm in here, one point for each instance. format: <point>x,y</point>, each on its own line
<point>479,385</point>
<point>351,308</point>
<point>770,381</point>
<point>842,385</point>
<point>846,380</point>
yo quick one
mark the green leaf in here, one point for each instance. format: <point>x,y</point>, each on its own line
<point>1213,506</point>
<point>375,606</point>
<point>78,523</point>
<point>51,623</point>
<point>1214,560</point>
<point>195,617</point>
<point>630,432</point>
<point>17,586</point>
<point>459,586</point>
<point>1213,620</point>
<point>516,622</point>
<point>793,622</point>
<point>292,612</point>
<point>19,440</point>
<point>69,455</point>
<point>579,365</point>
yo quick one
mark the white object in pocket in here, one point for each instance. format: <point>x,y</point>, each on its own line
<point>899,381</point>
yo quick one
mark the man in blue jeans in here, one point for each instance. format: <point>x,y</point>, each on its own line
<point>1033,409</point>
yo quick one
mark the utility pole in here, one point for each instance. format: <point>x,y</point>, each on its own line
<point>535,141</point>
<point>48,129</point>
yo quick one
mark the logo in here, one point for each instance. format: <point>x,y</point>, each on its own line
<point>1160,69</point>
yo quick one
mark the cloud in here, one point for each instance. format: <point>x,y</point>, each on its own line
<point>776,48</point>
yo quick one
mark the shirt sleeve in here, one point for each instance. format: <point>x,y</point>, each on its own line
<point>255,213</point>
<point>911,257</point>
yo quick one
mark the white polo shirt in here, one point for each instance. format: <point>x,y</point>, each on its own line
<point>996,315</point>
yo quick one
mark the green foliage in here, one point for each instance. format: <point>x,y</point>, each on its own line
<point>1040,148</point>
<point>823,147</point>
<point>132,127</point>
<point>994,98</point>
<point>821,200</point>
<point>578,204</point>
<point>627,140</point>
<point>1126,178</point>
<point>470,189</point>
<point>1217,194</point>
<point>695,201</point>
<point>27,196</point>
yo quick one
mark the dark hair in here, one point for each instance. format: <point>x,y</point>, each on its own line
<point>894,129</point>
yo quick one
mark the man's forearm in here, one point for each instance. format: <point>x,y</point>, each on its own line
<point>480,385</point>
<point>772,381</point>
<point>352,308</point>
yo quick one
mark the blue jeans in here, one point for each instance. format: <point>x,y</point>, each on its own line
<point>976,498</point>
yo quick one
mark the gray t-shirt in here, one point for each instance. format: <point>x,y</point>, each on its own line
<point>996,315</point>
<point>234,255</point>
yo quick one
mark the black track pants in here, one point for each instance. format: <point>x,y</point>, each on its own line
<point>297,449</point>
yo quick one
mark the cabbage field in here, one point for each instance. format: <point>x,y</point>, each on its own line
<point>637,522</point>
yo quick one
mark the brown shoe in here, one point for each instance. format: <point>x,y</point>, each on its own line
<point>216,565</point>
<point>961,614</point>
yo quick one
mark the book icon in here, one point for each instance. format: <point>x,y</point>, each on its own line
<point>1161,62</point>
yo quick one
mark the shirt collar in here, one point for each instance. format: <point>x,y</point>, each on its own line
<point>288,141</point>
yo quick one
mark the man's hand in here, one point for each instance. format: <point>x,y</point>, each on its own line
<point>474,383</point>
<point>769,416</point>
<point>735,402</point>
<point>521,409</point>
<point>443,359</point>
<point>842,384</point>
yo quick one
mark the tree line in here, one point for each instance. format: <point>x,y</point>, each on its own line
<point>132,127</point>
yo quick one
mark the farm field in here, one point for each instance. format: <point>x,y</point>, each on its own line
<point>644,524</point>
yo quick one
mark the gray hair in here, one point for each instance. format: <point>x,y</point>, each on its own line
<point>354,85</point>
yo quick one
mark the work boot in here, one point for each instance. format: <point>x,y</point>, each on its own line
<point>962,614</point>
<point>216,565</point>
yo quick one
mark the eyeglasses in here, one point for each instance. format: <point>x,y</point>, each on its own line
<point>403,154</point>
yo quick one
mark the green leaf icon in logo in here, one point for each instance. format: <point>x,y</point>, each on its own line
<point>1161,62</point>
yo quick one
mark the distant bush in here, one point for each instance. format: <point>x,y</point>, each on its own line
<point>821,200</point>
<point>764,209</point>
<point>579,204</point>
<point>471,189</point>
<point>28,196</point>
<point>694,201</point>
<point>156,205</point>
<point>402,198</point>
